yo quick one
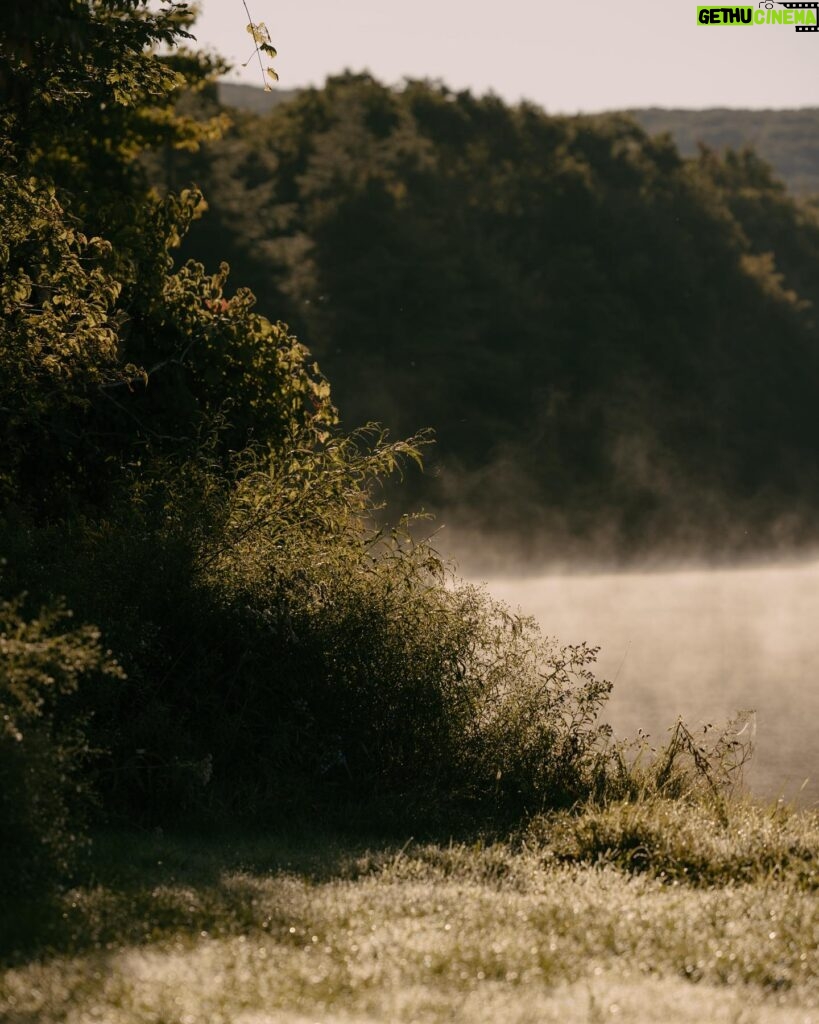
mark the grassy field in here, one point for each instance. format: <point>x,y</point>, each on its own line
<point>621,914</point>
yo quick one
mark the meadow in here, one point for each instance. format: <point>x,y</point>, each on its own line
<point>659,913</point>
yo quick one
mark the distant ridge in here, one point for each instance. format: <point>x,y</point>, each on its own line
<point>786,139</point>
<point>252,98</point>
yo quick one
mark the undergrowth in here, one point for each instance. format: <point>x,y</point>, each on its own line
<point>284,656</point>
<point>44,745</point>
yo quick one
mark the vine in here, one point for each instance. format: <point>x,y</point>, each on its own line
<point>263,45</point>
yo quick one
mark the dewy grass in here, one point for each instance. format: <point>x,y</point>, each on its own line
<point>695,842</point>
<point>173,932</point>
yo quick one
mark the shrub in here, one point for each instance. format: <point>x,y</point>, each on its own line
<point>43,744</point>
<point>286,655</point>
<point>172,465</point>
<point>351,663</point>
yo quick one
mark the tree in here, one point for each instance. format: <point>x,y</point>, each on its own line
<point>107,349</point>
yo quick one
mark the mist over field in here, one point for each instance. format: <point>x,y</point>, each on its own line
<point>688,630</point>
<point>701,643</point>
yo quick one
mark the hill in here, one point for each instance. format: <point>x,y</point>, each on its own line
<point>615,343</point>
<point>251,98</point>
<point>787,139</point>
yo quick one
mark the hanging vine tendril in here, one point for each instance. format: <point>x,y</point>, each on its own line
<point>263,45</point>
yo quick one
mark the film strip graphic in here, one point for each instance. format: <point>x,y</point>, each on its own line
<point>802,7</point>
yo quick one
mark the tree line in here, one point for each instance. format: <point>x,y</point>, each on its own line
<point>615,344</point>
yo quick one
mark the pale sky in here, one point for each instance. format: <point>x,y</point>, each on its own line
<point>579,55</point>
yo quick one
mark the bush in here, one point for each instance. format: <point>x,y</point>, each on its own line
<point>172,465</point>
<point>350,664</point>
<point>43,742</point>
<point>286,656</point>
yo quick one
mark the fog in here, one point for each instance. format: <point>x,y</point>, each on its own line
<point>701,643</point>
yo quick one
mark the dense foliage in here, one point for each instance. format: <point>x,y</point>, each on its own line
<point>43,744</point>
<point>617,347</point>
<point>173,472</point>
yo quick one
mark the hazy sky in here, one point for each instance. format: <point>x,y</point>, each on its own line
<point>581,55</point>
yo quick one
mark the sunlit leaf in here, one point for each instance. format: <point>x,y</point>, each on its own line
<point>260,34</point>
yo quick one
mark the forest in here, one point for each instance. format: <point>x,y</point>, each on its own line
<point>239,355</point>
<point>582,314</point>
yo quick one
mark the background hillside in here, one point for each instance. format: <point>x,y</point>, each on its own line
<point>787,139</point>
<point>616,343</point>
<point>251,98</point>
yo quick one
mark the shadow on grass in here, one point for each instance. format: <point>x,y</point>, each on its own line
<point>142,887</point>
